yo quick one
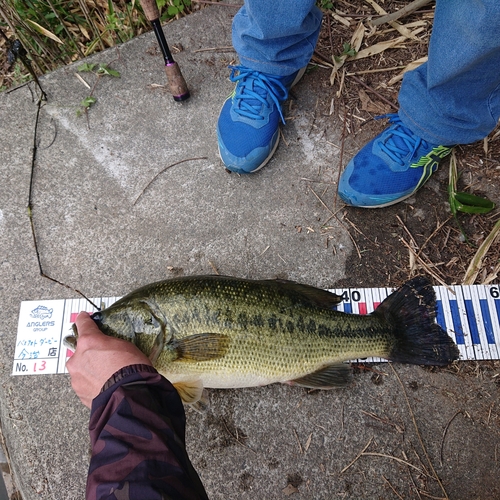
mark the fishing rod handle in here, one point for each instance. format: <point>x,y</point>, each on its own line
<point>176,82</point>
<point>150,9</point>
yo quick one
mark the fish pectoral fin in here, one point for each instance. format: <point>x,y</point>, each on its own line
<point>190,392</point>
<point>201,347</point>
<point>337,375</point>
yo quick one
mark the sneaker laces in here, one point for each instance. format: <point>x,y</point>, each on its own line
<point>401,140</point>
<point>253,91</point>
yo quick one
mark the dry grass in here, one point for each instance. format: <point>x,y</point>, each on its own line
<point>57,32</point>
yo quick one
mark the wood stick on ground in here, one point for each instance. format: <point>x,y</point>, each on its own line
<point>418,432</point>
<point>412,246</point>
<point>236,438</point>
<point>163,170</point>
<point>397,26</point>
<point>440,226</point>
<point>350,236</point>
<point>392,487</point>
<point>477,261</point>
<point>367,87</point>
<point>426,266</point>
<point>411,7</point>
<point>400,460</point>
<point>341,155</point>
<point>445,432</point>
<point>358,455</point>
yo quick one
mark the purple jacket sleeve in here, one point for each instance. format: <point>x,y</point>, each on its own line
<point>137,434</point>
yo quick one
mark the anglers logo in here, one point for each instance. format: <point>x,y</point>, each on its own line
<point>41,312</point>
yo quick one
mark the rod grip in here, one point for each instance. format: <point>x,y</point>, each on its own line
<point>150,9</point>
<point>176,82</point>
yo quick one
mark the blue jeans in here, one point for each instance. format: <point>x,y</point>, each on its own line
<point>276,36</point>
<point>454,98</point>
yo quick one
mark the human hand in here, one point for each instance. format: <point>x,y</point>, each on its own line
<point>97,357</point>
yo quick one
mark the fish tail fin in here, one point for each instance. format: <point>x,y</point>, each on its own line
<point>418,339</point>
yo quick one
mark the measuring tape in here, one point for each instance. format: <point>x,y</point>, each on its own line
<point>470,315</point>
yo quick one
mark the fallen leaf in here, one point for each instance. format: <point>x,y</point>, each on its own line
<point>372,107</point>
<point>408,67</point>
<point>44,31</point>
<point>290,490</point>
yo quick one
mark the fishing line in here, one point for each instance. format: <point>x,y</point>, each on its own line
<point>16,50</point>
<point>43,98</point>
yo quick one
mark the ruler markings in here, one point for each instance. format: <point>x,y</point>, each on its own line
<point>497,307</point>
<point>461,312</point>
<point>488,303</point>
<point>483,323</point>
<point>471,316</point>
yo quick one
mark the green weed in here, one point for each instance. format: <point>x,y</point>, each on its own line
<point>58,32</point>
<point>100,70</point>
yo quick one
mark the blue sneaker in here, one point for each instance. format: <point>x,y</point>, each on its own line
<point>390,168</point>
<point>247,130</point>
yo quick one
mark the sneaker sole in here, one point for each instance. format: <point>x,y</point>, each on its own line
<point>262,165</point>
<point>402,198</point>
<point>384,205</point>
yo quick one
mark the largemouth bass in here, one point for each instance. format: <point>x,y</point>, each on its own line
<point>224,332</point>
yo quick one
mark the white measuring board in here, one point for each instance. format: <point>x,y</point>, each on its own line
<point>470,315</point>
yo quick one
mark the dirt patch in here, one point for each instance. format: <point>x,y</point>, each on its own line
<point>419,235</point>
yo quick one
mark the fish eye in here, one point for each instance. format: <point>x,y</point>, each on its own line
<point>97,317</point>
<point>152,321</point>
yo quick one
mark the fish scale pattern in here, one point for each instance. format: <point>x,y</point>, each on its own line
<point>277,331</point>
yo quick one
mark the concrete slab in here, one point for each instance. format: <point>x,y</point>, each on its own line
<point>98,232</point>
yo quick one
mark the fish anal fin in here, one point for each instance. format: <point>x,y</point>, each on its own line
<point>337,375</point>
<point>190,392</point>
<point>202,405</point>
<point>201,347</point>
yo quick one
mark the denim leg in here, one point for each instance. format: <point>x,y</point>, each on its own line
<point>276,36</point>
<point>454,98</point>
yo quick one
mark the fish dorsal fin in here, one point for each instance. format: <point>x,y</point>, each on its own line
<point>190,392</point>
<point>337,375</point>
<point>201,347</point>
<point>316,296</point>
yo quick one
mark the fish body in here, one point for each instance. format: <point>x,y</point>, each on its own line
<point>224,332</point>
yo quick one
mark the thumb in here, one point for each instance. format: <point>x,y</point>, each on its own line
<point>85,325</point>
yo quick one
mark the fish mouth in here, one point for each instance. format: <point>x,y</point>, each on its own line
<point>121,329</point>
